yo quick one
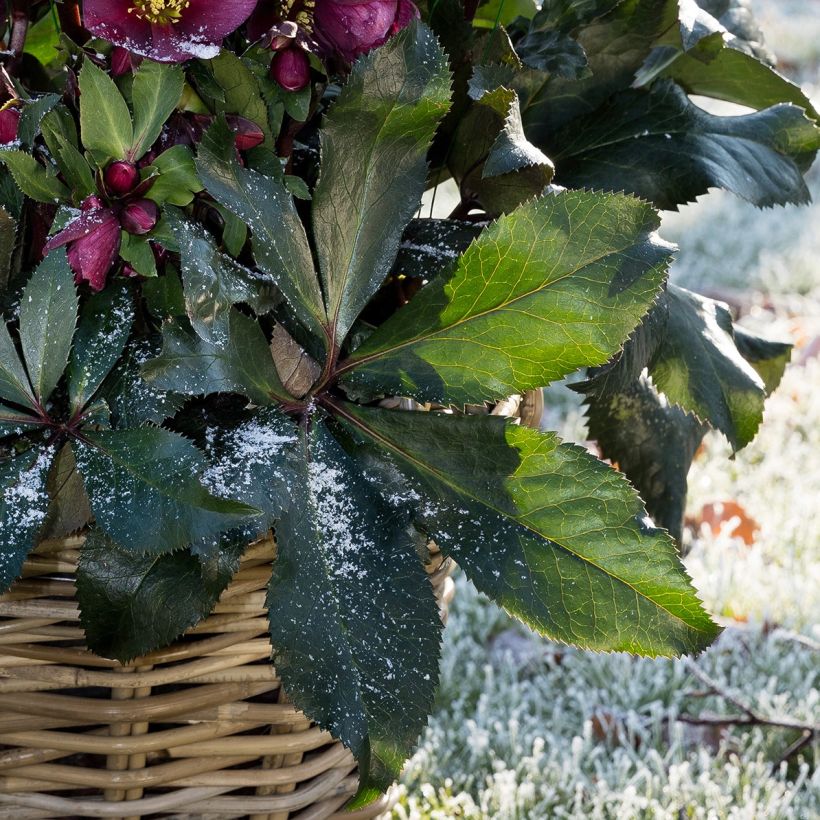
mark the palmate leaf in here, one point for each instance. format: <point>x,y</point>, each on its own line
<point>23,503</point>
<point>661,146</point>
<point>374,146</point>
<point>556,285</point>
<point>280,243</point>
<point>48,318</point>
<point>553,535</point>
<point>194,367</point>
<point>130,472</point>
<point>133,604</point>
<point>353,620</point>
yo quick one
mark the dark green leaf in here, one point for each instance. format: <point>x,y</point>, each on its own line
<point>164,296</point>
<point>14,384</point>
<point>429,246</point>
<point>279,240</point>
<point>553,535</point>
<point>105,325</point>
<point>68,507</point>
<point>652,443</point>
<point>133,604</point>
<point>737,77</point>
<point>353,620</point>
<point>491,159</point>
<point>213,282</point>
<point>768,358</point>
<point>699,368</point>
<point>553,52</point>
<point>48,318</point>
<point>129,473</point>
<point>195,367</point>
<point>156,91</point>
<point>558,284</point>
<point>23,502</point>
<point>616,44</point>
<point>254,462</point>
<point>8,241</point>
<point>134,401</point>
<point>34,180</point>
<point>240,92</point>
<point>661,146</point>
<point>14,423</point>
<point>374,147</point>
<point>31,117</point>
<point>105,121</point>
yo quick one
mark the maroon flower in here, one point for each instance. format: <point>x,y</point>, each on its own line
<point>9,122</point>
<point>93,240</point>
<point>291,68</point>
<point>169,31</point>
<point>139,217</point>
<point>121,177</point>
<point>353,27</point>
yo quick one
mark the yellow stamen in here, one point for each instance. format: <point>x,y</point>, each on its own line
<point>159,12</point>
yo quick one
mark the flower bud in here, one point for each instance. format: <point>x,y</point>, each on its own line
<point>121,177</point>
<point>354,27</point>
<point>9,122</point>
<point>291,69</point>
<point>248,133</point>
<point>139,217</point>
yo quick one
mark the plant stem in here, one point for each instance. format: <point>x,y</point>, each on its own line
<point>19,27</point>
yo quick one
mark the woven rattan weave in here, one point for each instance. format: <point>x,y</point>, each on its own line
<point>200,729</point>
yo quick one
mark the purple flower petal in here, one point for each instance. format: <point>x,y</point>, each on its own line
<point>92,256</point>
<point>199,31</point>
<point>86,224</point>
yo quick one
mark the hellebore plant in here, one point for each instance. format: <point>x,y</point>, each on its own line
<point>217,285</point>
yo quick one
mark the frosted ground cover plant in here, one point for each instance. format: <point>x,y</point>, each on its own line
<point>216,298</point>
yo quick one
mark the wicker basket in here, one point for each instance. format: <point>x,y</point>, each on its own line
<point>201,729</point>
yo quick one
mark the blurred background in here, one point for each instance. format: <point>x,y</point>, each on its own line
<point>525,728</point>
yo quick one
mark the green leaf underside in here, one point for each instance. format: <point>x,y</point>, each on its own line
<point>661,146</point>
<point>374,146</point>
<point>133,604</point>
<point>23,504</point>
<point>192,366</point>
<point>156,92</point>
<point>105,121</point>
<point>128,473</point>
<point>354,624</point>
<point>652,442</point>
<point>556,285</point>
<point>48,318</point>
<point>280,243</point>
<point>699,368</point>
<point>553,535</point>
<point>104,328</point>
<point>213,282</point>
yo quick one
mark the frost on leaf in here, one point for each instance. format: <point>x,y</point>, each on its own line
<point>23,505</point>
<point>353,619</point>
